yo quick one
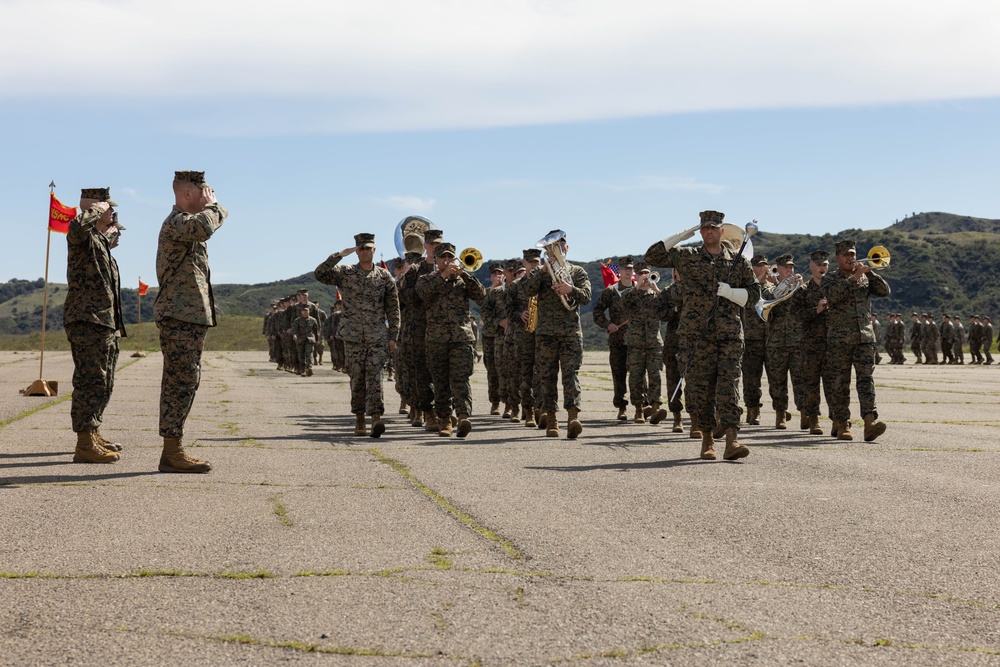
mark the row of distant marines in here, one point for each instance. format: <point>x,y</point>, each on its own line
<point>421,317</point>
<point>927,338</point>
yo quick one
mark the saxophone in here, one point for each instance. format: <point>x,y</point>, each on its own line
<point>555,264</point>
<point>532,322</point>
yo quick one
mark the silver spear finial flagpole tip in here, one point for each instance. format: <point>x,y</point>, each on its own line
<point>52,185</point>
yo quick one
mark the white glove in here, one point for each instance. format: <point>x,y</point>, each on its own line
<point>737,295</point>
<point>671,241</point>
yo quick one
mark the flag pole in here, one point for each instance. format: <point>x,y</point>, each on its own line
<point>41,387</point>
<point>138,349</point>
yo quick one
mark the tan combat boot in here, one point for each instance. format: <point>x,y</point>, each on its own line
<point>359,424</point>
<point>506,411</point>
<point>639,417</point>
<point>873,429</point>
<point>695,429</point>
<point>551,425</point>
<point>719,429</point>
<point>431,421</point>
<point>844,431</point>
<point>402,407</point>
<point>107,444</point>
<point>417,419</point>
<point>378,426</point>
<point>803,422</point>
<point>529,418</point>
<point>678,427</point>
<point>89,450</point>
<point>515,412</point>
<point>659,414</point>
<point>647,411</point>
<point>734,450</point>
<point>445,430</point>
<point>814,428</point>
<point>464,426</point>
<point>495,408</point>
<point>543,420</point>
<point>707,446</point>
<point>780,420</point>
<point>753,416</point>
<point>175,459</point>
<point>621,414</point>
<point>574,427</point>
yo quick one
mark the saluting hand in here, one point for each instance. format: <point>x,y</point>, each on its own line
<point>347,252</point>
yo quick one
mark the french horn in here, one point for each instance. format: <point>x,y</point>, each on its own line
<point>783,291</point>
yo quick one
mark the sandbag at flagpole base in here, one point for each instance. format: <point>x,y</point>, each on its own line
<point>42,388</point>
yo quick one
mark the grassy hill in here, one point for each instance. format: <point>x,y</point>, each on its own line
<point>940,262</point>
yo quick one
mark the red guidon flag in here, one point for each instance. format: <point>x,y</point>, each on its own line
<point>143,288</point>
<point>60,215</point>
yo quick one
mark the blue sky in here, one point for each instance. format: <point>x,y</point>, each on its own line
<point>617,122</point>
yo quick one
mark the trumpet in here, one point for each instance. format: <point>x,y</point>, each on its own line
<point>654,277</point>
<point>471,259</point>
<point>878,257</point>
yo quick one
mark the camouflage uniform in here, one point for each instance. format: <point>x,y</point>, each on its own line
<point>877,330</point>
<point>511,355</point>
<point>814,341</point>
<point>609,310</point>
<point>420,392</point>
<point>370,301</point>
<point>266,332</point>
<point>915,330</point>
<point>714,372</point>
<point>517,303</point>
<point>976,342</point>
<point>960,341</point>
<point>850,340</point>
<point>671,345</point>
<point>784,338</point>
<point>558,338</point>
<point>450,339</point>
<point>645,309</point>
<point>305,329</point>
<point>929,336</point>
<point>318,349</point>
<point>92,316</point>
<point>184,308</point>
<point>894,337</point>
<point>754,355</point>
<point>988,341</point>
<point>491,331</point>
<point>947,331</point>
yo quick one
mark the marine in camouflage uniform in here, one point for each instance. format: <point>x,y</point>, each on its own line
<point>305,331</point>
<point>559,339</point>
<point>929,336</point>
<point>784,338</point>
<point>370,301</point>
<point>976,339</point>
<point>405,383</point>
<point>851,341</point>
<point>894,337</point>
<point>92,316</point>
<point>446,294</point>
<point>810,307</point>
<point>610,315</point>
<point>421,392</point>
<point>960,340</point>
<point>755,346</point>
<point>645,307</point>
<point>672,349</point>
<point>987,339</point>
<point>915,329</point>
<point>184,309</point>
<point>947,330</point>
<point>266,331</point>
<point>511,356</point>
<point>491,331</point>
<point>318,348</point>
<point>714,346</point>
<point>518,306</point>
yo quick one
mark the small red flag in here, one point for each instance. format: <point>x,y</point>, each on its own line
<point>143,288</point>
<point>609,274</point>
<point>60,215</point>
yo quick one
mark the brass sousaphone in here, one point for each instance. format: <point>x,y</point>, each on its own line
<point>410,234</point>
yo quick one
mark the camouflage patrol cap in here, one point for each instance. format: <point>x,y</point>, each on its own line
<point>926,315</point>
<point>364,240</point>
<point>301,291</point>
<point>711,218</point>
<point>914,314</point>
<point>785,260</point>
<point>98,194</point>
<point>946,316</point>
<point>196,177</point>
<point>846,246</point>
<point>496,266</point>
<point>759,259</point>
<point>531,253</point>
<point>819,256</point>
<point>642,267</point>
<point>511,264</point>
<point>275,302</point>
<point>625,262</point>
<point>433,236</point>
<point>444,249</point>
<point>397,263</point>
<point>413,257</point>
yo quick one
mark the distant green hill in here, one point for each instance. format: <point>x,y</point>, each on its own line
<point>940,262</point>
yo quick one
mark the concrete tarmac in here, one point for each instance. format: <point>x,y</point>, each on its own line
<point>307,544</point>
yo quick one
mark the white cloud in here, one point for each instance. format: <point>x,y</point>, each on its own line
<point>674,183</point>
<point>411,205</point>
<point>339,65</point>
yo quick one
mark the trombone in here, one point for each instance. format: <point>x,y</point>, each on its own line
<point>878,258</point>
<point>471,259</point>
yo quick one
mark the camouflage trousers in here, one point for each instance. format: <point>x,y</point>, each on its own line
<point>644,364</point>
<point>754,357</point>
<point>781,363</point>
<point>915,349</point>
<point>839,360</point>
<point>673,372</point>
<point>420,391</point>
<point>947,351</point>
<point>95,356</point>
<point>713,381</point>
<point>182,344</point>
<point>813,372</point>
<point>959,352</point>
<point>451,365</point>
<point>364,364</point>
<point>401,371</point>
<point>291,355</point>
<point>986,349</point>
<point>929,348</point>
<point>555,353</point>
<point>279,350</point>
<point>490,361</point>
<point>272,349</point>
<point>618,359</point>
<point>526,369</point>
<point>318,351</point>
<point>512,369</point>
<point>305,350</point>
<point>975,352</point>
<point>337,355</point>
